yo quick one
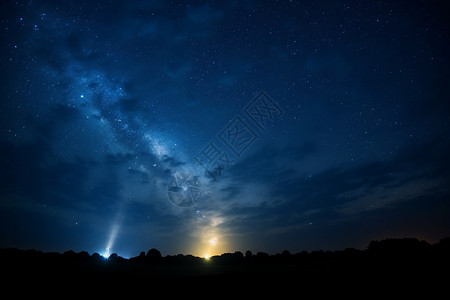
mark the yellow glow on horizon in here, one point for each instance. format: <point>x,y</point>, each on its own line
<point>210,239</point>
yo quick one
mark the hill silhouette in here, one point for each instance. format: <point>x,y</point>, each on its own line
<point>388,259</point>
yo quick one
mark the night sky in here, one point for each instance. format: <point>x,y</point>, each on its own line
<point>212,127</point>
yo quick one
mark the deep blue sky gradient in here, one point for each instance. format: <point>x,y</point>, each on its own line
<point>102,102</point>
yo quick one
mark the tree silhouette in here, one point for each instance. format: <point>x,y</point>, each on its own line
<point>391,258</point>
<point>153,255</point>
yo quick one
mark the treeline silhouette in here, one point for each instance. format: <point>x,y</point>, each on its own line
<point>389,257</point>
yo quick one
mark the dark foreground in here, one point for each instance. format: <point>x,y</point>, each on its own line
<point>394,262</point>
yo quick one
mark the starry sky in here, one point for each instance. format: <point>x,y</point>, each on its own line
<point>211,127</point>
